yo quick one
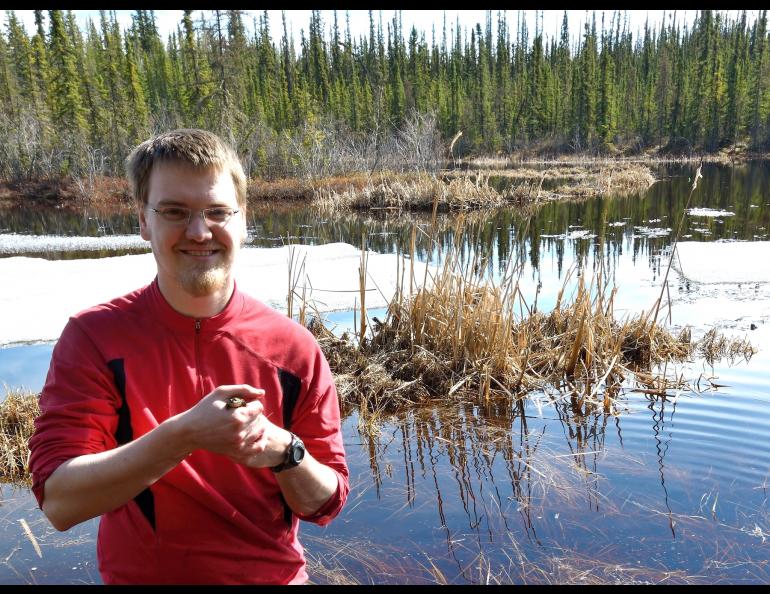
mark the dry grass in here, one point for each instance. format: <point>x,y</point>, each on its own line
<point>464,191</point>
<point>72,193</point>
<point>17,417</point>
<point>465,338</point>
<point>654,156</point>
<point>425,192</point>
<point>289,189</point>
<point>715,346</point>
<point>583,180</point>
<point>625,179</point>
<point>460,190</point>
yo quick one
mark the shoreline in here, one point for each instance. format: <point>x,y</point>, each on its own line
<point>582,176</point>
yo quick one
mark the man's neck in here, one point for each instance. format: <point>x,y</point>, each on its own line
<point>203,307</point>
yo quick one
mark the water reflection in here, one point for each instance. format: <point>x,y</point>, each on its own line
<point>90,222</point>
<point>633,225</point>
<point>535,498</point>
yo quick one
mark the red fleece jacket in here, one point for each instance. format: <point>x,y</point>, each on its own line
<point>121,368</point>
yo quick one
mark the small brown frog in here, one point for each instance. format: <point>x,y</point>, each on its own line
<point>235,402</point>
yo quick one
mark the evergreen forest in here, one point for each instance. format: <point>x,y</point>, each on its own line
<point>75,102</point>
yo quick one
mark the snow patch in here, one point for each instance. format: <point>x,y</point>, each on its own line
<point>11,243</point>
<point>709,212</point>
<point>724,261</point>
<point>37,296</point>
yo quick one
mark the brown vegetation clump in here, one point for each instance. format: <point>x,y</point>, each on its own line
<point>583,180</point>
<point>714,346</point>
<point>624,179</point>
<point>469,190</point>
<point>17,421</point>
<point>286,189</point>
<point>426,192</point>
<point>462,337</point>
<point>68,191</point>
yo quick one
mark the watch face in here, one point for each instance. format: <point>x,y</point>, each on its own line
<point>294,455</point>
<point>297,452</point>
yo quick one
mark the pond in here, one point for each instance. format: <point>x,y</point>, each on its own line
<point>655,491</point>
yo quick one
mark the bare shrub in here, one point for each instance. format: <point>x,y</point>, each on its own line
<point>23,153</point>
<point>421,142</point>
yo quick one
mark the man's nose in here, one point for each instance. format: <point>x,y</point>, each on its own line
<point>198,227</point>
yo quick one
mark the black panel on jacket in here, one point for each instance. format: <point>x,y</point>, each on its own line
<point>124,434</point>
<point>290,388</point>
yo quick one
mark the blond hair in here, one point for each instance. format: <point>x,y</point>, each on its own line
<point>199,149</point>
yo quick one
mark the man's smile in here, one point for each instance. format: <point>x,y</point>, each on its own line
<point>200,253</point>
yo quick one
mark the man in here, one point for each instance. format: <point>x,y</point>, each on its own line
<point>197,422</point>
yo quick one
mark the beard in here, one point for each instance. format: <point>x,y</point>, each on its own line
<point>202,280</point>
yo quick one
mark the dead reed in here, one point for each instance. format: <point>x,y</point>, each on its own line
<point>422,192</point>
<point>617,179</point>
<point>17,417</point>
<point>584,179</point>
<point>653,157</point>
<point>464,337</point>
<point>464,191</point>
<point>714,346</point>
<point>290,189</point>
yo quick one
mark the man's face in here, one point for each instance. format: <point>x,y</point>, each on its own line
<point>195,258</point>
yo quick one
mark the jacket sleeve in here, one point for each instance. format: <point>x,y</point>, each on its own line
<point>78,407</point>
<point>317,422</point>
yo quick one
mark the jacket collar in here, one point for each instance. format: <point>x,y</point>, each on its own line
<point>178,322</point>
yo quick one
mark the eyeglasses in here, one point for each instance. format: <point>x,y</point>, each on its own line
<point>181,215</point>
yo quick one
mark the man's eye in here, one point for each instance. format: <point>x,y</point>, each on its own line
<point>175,214</point>
<point>218,214</point>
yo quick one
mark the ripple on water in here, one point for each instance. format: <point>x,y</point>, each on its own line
<point>722,434</point>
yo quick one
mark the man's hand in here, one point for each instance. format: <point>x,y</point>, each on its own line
<point>266,445</point>
<point>215,425</point>
<point>244,434</point>
<point>229,421</point>
<point>92,484</point>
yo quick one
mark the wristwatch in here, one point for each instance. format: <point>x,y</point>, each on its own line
<point>294,454</point>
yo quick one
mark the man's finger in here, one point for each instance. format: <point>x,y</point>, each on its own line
<point>244,390</point>
<point>238,396</point>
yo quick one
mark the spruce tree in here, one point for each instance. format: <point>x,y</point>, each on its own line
<point>67,104</point>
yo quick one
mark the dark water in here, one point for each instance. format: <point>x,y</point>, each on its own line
<point>658,491</point>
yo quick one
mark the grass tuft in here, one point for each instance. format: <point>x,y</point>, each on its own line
<point>17,422</point>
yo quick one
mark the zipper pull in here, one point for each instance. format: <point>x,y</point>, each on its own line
<point>197,326</point>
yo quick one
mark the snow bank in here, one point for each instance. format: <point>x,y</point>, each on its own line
<point>24,244</point>
<point>37,296</point>
<point>724,261</point>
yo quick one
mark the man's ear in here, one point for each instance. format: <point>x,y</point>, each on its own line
<point>144,231</point>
